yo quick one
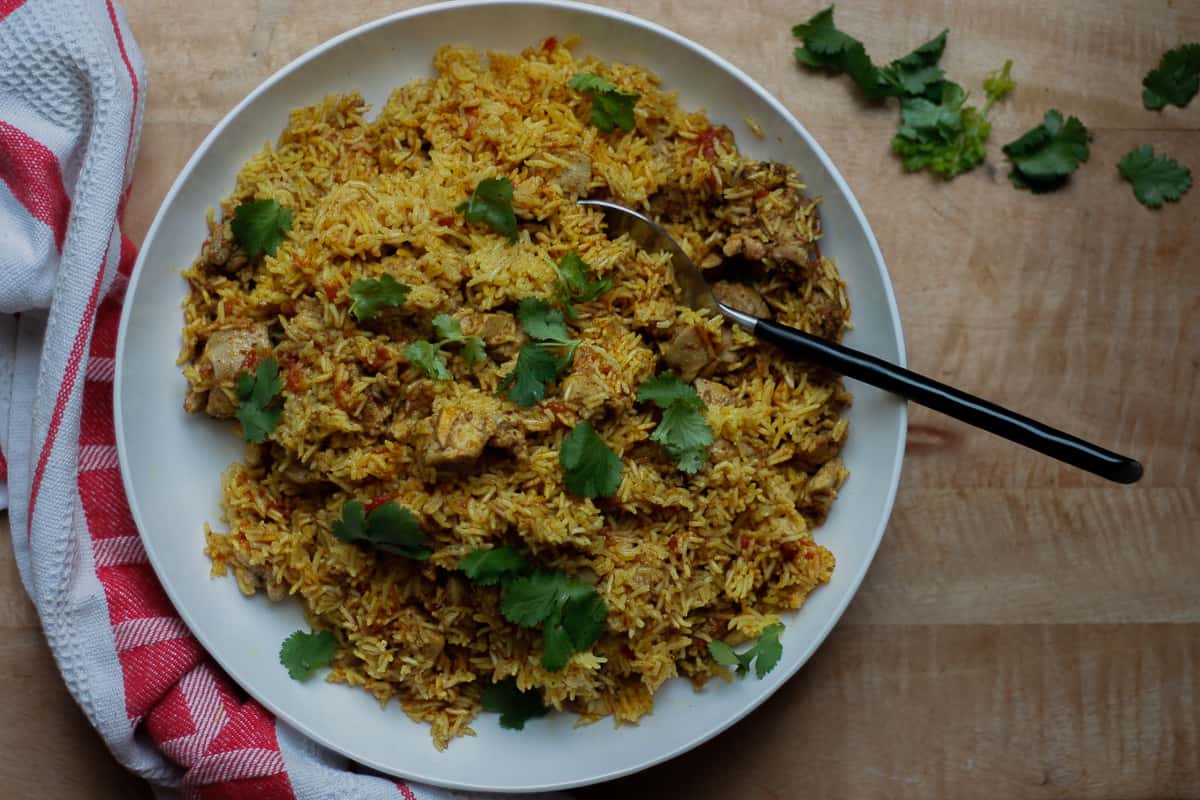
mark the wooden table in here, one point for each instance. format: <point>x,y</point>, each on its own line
<point>1026,630</point>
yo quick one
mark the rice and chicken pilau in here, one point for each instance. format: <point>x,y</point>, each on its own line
<point>383,226</point>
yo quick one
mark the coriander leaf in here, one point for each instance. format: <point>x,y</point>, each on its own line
<point>256,410</point>
<point>942,137</point>
<point>824,44</point>
<point>260,226</point>
<point>583,618</point>
<point>684,434</point>
<point>723,653</point>
<point>514,706</point>
<point>768,650</point>
<point>536,366</point>
<point>998,85</point>
<point>570,612</point>
<point>530,600</point>
<point>449,331</point>
<point>473,350</point>
<point>590,82</point>
<point>371,294</point>
<point>664,389</point>
<point>765,653</point>
<point>447,328</point>
<point>556,643</point>
<point>304,653</point>
<point>1176,79</point>
<point>391,528</point>
<point>1154,178</point>
<point>826,47</point>
<point>911,75</point>
<point>610,106</point>
<point>575,284</point>
<point>683,431</point>
<point>541,321</point>
<point>1045,157</point>
<point>425,355</point>
<point>590,468</point>
<point>487,567</point>
<point>491,203</point>
<point>353,524</point>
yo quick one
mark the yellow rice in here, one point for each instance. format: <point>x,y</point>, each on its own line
<point>679,560</point>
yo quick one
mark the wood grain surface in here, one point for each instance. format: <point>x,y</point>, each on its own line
<point>1026,630</point>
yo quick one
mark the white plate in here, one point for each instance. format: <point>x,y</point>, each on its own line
<point>172,462</point>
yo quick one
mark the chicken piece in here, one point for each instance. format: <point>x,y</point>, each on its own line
<point>713,394</point>
<point>690,351</point>
<point>299,474</point>
<point>465,424</point>
<point>744,244</point>
<point>510,435</point>
<point>827,316</point>
<point>823,487</point>
<point>459,435</point>
<point>230,352</point>
<point>741,297</point>
<point>608,366</point>
<point>221,252</point>
<point>499,331</point>
<point>769,220</point>
<point>576,175</point>
<point>822,447</point>
<point>374,415</point>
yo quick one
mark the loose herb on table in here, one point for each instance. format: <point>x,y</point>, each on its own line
<point>1044,158</point>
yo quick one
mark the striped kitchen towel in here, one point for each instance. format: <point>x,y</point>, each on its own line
<point>72,87</point>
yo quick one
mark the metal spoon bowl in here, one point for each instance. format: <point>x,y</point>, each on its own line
<point>695,292</point>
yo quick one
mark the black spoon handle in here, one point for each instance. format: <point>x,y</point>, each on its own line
<point>948,400</point>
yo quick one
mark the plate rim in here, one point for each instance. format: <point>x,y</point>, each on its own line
<point>679,40</point>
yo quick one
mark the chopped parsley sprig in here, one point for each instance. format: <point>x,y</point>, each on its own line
<point>369,295</point>
<point>389,528</point>
<point>537,363</point>
<point>427,355</point>
<point>258,410</point>
<point>764,654</point>
<point>491,203</point>
<point>683,431</point>
<point>304,653</point>
<point>260,226</point>
<point>611,108</point>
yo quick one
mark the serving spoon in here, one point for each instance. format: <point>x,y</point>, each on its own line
<point>864,367</point>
